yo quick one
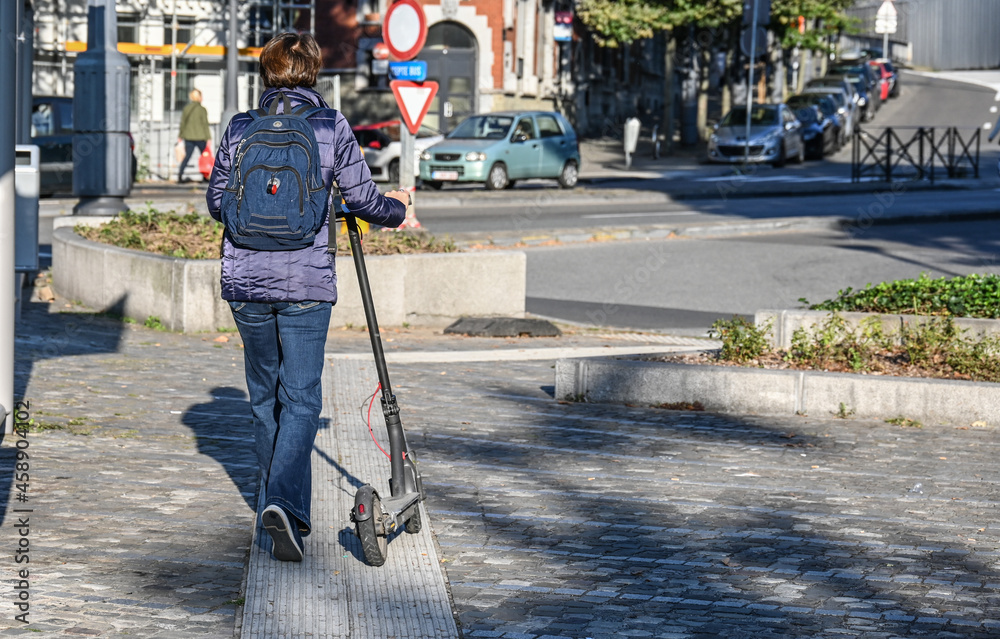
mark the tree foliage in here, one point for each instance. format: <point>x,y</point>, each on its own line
<point>621,22</point>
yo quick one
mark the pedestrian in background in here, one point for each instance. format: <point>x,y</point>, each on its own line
<point>282,299</point>
<point>194,132</point>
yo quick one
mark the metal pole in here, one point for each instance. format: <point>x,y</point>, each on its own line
<point>753,61</point>
<point>407,159</point>
<point>8,109</point>
<point>232,69</point>
<point>173,85</point>
<point>336,92</point>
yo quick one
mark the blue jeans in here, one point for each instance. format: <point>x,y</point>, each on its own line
<point>189,148</point>
<point>283,356</point>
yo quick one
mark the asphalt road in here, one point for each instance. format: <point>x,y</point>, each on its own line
<point>682,286</point>
<point>546,213</point>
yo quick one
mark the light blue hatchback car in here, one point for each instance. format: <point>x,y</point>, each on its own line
<point>500,148</point>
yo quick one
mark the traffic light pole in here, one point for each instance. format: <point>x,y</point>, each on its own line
<point>753,62</point>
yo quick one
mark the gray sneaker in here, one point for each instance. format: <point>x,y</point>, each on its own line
<point>287,542</point>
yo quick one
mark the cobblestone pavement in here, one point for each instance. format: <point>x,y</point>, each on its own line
<point>577,520</point>
<point>141,472</point>
<point>553,519</point>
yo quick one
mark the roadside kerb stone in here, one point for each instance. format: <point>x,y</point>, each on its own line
<point>785,322</point>
<point>431,289</point>
<point>736,390</point>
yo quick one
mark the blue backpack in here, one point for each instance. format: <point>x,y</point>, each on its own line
<point>276,199</point>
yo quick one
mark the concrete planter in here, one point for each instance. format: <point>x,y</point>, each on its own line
<point>785,322</point>
<point>428,289</point>
<point>751,391</point>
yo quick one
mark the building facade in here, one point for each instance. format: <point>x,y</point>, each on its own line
<point>486,55</point>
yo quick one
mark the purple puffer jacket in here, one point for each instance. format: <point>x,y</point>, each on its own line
<point>304,274</point>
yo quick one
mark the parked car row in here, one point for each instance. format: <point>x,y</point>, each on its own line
<point>496,149</point>
<point>815,123</point>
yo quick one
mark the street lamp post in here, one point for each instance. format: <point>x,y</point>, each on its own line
<point>102,159</point>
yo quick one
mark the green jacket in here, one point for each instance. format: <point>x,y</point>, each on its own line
<point>194,123</point>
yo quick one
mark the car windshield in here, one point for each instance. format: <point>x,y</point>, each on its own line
<point>483,127</point>
<point>759,116</point>
<point>825,105</point>
<point>848,71</point>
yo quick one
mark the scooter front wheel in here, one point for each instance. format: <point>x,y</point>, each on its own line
<point>415,522</point>
<point>368,523</point>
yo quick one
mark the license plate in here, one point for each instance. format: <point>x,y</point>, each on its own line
<point>444,175</point>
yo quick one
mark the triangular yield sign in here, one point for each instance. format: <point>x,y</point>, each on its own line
<point>414,99</point>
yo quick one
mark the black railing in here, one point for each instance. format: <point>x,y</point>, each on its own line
<point>921,155</point>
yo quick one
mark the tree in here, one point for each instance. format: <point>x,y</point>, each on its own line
<point>614,23</point>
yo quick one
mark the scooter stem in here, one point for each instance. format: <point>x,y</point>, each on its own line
<point>400,481</point>
<point>354,234</point>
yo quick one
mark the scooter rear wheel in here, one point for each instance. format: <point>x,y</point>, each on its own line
<point>374,545</point>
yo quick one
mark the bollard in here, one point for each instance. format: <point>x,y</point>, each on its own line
<point>631,139</point>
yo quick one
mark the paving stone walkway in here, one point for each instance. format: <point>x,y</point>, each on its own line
<point>551,519</point>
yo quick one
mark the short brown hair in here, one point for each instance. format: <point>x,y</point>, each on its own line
<point>290,60</point>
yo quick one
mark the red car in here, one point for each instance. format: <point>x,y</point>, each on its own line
<point>885,78</point>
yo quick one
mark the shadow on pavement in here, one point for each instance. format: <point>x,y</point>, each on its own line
<point>645,520</point>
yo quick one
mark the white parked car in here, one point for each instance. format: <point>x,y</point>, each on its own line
<point>381,146</point>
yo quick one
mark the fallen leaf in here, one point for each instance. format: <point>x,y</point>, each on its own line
<point>221,338</point>
<point>943,458</point>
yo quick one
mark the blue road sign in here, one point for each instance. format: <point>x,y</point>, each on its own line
<point>414,70</point>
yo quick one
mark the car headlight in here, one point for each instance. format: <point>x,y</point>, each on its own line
<point>475,156</point>
<point>862,101</point>
<point>425,156</point>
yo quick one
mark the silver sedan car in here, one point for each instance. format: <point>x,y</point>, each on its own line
<point>775,136</point>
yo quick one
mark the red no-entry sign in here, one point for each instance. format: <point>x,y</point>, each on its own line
<point>405,29</point>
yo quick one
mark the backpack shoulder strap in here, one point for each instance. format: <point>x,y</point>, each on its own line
<point>306,110</point>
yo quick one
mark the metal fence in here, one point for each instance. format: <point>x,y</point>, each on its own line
<point>914,153</point>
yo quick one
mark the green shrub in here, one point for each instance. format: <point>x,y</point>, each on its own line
<point>742,341</point>
<point>963,296</point>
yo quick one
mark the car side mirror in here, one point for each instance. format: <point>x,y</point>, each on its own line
<point>521,137</point>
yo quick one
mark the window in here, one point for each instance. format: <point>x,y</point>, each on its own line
<point>524,128</point>
<point>449,35</point>
<point>548,127</point>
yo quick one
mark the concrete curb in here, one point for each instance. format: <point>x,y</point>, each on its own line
<point>750,391</point>
<point>785,322</point>
<point>428,290</point>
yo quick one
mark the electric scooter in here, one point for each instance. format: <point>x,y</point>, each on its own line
<point>376,518</point>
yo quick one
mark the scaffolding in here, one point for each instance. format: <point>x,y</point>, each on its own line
<point>268,18</point>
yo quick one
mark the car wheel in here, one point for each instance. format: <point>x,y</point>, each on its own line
<point>394,172</point>
<point>780,161</point>
<point>433,184</point>
<point>497,178</point>
<point>570,175</point>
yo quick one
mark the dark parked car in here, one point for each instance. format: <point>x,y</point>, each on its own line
<point>52,131</point>
<point>831,120</point>
<point>817,131</point>
<point>872,82</point>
